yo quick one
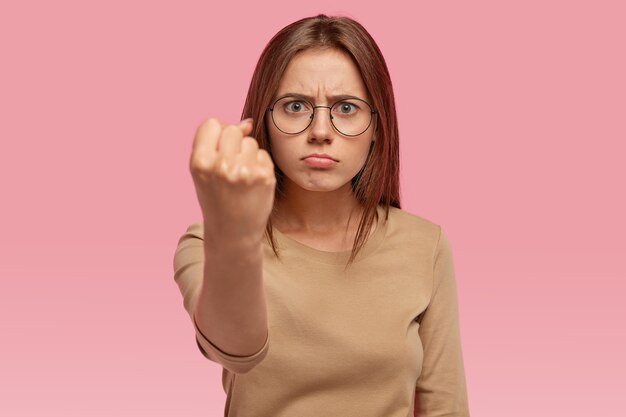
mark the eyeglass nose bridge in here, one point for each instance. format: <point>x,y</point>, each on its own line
<point>330,114</point>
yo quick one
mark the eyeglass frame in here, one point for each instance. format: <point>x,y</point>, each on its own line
<point>372,112</point>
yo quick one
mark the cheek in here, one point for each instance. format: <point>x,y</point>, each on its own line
<point>281,155</point>
<point>363,154</point>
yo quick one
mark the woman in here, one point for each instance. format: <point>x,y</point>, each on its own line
<point>316,293</point>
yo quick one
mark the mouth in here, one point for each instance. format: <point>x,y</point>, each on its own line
<point>320,156</point>
<point>319,161</point>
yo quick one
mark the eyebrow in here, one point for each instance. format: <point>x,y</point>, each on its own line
<point>333,98</point>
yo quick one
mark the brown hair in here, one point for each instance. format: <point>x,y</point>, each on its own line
<point>378,181</point>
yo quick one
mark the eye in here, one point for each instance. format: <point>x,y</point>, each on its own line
<point>346,108</point>
<point>296,106</point>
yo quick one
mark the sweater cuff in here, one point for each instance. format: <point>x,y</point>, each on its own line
<point>234,363</point>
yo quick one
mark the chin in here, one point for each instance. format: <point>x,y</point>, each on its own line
<point>321,181</point>
<point>323,187</point>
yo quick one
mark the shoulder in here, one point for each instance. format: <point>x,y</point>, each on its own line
<point>414,233</point>
<point>194,230</point>
<point>403,220</point>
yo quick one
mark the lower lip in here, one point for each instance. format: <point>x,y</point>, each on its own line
<point>319,162</point>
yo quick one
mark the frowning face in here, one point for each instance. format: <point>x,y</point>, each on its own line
<point>321,78</point>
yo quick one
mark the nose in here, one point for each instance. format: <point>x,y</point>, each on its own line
<point>321,129</point>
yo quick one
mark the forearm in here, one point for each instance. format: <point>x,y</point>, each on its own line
<point>230,309</point>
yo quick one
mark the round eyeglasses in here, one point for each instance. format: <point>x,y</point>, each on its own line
<point>349,116</point>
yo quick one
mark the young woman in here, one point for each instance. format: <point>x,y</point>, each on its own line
<point>305,280</point>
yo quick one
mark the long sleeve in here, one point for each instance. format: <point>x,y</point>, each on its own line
<point>188,274</point>
<point>441,387</point>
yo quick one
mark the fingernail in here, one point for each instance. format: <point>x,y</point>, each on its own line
<point>248,120</point>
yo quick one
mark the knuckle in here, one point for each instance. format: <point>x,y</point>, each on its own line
<point>249,141</point>
<point>244,172</point>
<point>201,163</point>
<point>233,130</point>
<point>264,175</point>
<point>203,131</point>
<point>207,124</point>
<point>265,158</point>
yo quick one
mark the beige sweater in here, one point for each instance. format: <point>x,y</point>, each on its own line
<point>373,341</point>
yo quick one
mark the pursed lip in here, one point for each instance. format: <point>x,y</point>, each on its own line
<point>321,155</point>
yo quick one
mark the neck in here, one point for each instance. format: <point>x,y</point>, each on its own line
<point>318,212</point>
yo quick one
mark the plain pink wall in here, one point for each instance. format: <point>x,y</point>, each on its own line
<point>512,121</point>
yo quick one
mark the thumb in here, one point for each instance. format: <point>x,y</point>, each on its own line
<point>246,126</point>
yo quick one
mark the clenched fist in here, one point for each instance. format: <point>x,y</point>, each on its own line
<point>234,181</point>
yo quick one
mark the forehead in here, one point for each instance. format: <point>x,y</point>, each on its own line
<point>322,73</point>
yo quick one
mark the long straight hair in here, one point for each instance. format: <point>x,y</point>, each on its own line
<point>377,183</point>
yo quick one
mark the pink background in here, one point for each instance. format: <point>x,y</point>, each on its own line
<point>512,121</point>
